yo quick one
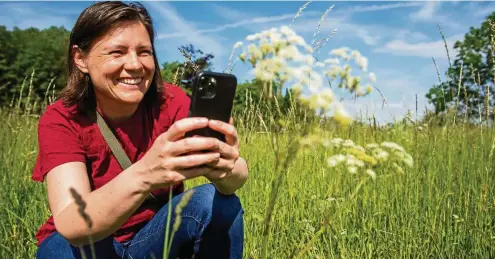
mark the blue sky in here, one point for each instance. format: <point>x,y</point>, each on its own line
<point>399,38</point>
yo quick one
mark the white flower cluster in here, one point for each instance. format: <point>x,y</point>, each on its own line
<point>353,84</point>
<point>282,56</point>
<point>366,159</point>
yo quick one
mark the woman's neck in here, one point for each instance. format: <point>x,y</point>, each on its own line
<point>116,112</point>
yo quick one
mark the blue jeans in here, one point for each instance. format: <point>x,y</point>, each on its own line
<point>211,227</point>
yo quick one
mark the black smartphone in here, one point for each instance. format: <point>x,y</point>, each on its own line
<point>212,97</point>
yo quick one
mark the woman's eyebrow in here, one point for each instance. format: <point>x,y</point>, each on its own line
<point>117,46</point>
<point>121,46</point>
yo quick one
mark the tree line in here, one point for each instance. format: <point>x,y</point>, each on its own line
<point>467,90</point>
<point>39,58</point>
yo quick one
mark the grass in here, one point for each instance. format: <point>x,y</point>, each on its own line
<point>443,207</point>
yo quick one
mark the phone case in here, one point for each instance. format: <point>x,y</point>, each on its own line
<point>217,107</point>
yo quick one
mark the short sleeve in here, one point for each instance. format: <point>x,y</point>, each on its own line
<point>182,101</point>
<point>58,143</point>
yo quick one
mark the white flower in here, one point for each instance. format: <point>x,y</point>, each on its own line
<point>342,116</point>
<point>355,54</point>
<point>352,169</point>
<point>408,160</point>
<point>319,64</point>
<point>348,143</point>
<point>286,31</point>
<point>372,146</point>
<point>341,52</point>
<point>296,39</point>
<point>237,44</point>
<point>371,173</point>
<point>253,37</point>
<point>340,158</point>
<point>392,145</point>
<point>336,142</point>
<point>360,148</point>
<point>382,155</point>
<point>372,77</point>
<point>289,52</point>
<point>332,61</point>
<point>332,162</point>
<point>363,63</point>
<point>254,51</point>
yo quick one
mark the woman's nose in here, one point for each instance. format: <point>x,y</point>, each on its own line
<point>132,62</point>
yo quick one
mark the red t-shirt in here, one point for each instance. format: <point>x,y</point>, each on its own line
<point>65,135</point>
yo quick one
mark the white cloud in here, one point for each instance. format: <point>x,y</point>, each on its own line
<point>229,13</point>
<point>187,30</point>
<point>435,49</point>
<point>403,34</point>
<point>484,12</point>
<point>433,12</point>
<point>372,8</point>
<point>427,12</point>
<point>222,27</point>
<point>23,16</point>
<point>270,21</point>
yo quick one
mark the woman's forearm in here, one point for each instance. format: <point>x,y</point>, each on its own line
<point>108,208</point>
<point>235,180</point>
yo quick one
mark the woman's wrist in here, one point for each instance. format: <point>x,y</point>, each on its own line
<point>139,178</point>
<point>234,180</point>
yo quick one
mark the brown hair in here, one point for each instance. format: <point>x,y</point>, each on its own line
<point>95,21</point>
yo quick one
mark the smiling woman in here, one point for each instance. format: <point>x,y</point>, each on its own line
<point>113,74</point>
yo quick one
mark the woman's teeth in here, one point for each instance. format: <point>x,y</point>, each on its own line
<point>129,81</point>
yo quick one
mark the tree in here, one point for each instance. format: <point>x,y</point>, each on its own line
<point>181,73</point>
<point>469,87</point>
<point>25,51</point>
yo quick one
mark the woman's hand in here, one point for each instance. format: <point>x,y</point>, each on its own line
<point>173,159</point>
<point>230,171</point>
<point>229,150</point>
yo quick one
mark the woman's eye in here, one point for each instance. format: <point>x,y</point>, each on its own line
<point>115,52</point>
<point>147,52</point>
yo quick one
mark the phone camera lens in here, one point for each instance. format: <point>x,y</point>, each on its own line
<point>207,87</point>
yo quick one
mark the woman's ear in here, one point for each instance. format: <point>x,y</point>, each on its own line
<point>79,59</point>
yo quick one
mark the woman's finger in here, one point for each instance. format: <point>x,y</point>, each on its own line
<point>227,129</point>
<point>228,151</point>
<point>217,174</point>
<point>180,127</point>
<point>188,161</point>
<point>222,164</point>
<point>192,145</point>
<point>184,174</point>
<point>194,172</point>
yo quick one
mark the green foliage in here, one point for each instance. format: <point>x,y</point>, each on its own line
<point>441,206</point>
<point>181,73</point>
<point>469,85</point>
<point>25,51</point>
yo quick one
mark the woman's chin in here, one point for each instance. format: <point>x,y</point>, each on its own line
<point>131,98</point>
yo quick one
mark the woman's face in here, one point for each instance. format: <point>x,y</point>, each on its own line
<point>120,64</point>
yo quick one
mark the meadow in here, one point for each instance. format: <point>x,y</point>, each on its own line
<point>442,207</point>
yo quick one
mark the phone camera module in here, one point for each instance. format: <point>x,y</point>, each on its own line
<point>207,87</point>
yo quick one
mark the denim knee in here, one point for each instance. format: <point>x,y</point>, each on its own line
<point>210,206</point>
<point>56,246</point>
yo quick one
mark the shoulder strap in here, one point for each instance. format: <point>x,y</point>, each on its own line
<point>112,141</point>
<point>115,146</point>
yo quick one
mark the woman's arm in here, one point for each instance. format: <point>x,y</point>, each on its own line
<point>110,206</point>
